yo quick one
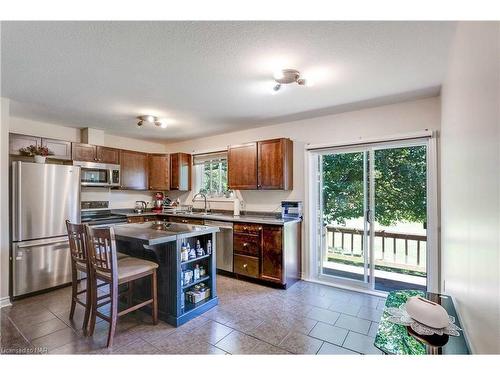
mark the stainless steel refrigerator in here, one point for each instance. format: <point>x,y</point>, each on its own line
<point>43,197</point>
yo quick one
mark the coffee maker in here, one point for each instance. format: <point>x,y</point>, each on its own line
<point>158,202</point>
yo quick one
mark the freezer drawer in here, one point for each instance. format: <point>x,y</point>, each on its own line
<point>40,264</point>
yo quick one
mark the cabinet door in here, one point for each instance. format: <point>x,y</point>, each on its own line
<point>183,220</point>
<point>159,172</point>
<point>107,155</point>
<point>242,166</point>
<point>272,253</point>
<point>17,141</point>
<point>275,164</point>
<point>135,219</point>
<point>83,152</point>
<point>134,170</point>
<point>180,172</point>
<point>61,149</point>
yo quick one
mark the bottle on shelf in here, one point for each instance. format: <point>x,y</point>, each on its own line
<point>209,247</point>
<point>196,272</point>
<point>191,252</point>
<point>184,253</point>
<point>199,250</point>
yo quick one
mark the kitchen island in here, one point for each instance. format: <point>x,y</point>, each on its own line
<point>186,287</point>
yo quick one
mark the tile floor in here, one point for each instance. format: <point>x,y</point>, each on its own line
<point>250,319</point>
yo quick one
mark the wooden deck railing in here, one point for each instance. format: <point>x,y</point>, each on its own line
<point>391,236</point>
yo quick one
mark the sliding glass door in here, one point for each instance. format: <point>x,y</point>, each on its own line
<point>373,215</point>
<point>344,204</point>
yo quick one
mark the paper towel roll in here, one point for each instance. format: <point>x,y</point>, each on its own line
<point>236,207</point>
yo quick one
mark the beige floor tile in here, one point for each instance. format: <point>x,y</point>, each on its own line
<point>237,343</point>
<point>299,343</point>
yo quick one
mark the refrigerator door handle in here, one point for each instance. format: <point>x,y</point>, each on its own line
<point>43,244</point>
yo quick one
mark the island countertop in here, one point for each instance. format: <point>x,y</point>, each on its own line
<point>159,232</point>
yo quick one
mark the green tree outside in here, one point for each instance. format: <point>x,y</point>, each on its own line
<point>400,186</point>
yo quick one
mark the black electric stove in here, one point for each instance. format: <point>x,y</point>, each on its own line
<point>97,213</point>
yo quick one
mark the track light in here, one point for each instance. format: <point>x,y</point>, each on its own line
<point>149,119</point>
<point>287,76</point>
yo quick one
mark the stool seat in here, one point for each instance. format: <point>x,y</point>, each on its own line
<point>129,267</point>
<point>121,255</point>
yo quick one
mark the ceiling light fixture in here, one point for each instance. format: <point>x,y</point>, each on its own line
<point>287,76</point>
<point>151,120</point>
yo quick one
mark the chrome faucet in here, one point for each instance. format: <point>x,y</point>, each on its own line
<point>204,197</point>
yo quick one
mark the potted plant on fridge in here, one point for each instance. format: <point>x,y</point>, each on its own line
<point>39,152</point>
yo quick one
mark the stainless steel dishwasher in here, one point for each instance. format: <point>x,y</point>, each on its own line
<point>224,245</point>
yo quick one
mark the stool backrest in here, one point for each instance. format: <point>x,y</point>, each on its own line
<point>77,242</point>
<point>102,250</point>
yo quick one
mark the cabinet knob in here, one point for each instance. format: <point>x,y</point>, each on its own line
<point>260,228</point>
<point>245,265</point>
<point>245,244</point>
<point>245,228</point>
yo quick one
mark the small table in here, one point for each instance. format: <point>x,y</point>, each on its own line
<point>394,338</point>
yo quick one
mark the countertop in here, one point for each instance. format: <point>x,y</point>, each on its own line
<point>246,218</point>
<point>154,233</point>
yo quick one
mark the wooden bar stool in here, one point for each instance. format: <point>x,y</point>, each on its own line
<point>80,263</point>
<point>104,266</point>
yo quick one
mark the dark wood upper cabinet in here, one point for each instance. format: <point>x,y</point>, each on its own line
<point>107,155</point>
<point>60,149</point>
<point>98,154</point>
<point>18,141</point>
<point>272,261</point>
<point>275,164</point>
<point>134,170</point>
<point>180,171</point>
<point>159,168</point>
<point>83,152</point>
<point>263,165</point>
<point>242,166</point>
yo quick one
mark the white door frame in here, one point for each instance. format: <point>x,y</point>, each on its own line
<point>311,261</point>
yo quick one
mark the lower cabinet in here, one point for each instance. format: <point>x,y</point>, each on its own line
<point>272,253</point>
<point>183,220</point>
<point>135,219</point>
<point>259,252</point>
<point>246,266</point>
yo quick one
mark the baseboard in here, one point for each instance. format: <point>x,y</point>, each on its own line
<point>4,302</point>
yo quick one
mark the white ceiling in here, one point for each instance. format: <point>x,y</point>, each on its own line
<point>211,77</point>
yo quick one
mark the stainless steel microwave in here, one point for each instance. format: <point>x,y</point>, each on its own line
<point>98,174</point>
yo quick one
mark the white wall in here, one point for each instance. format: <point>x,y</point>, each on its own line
<point>4,202</point>
<point>470,177</point>
<point>388,120</point>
